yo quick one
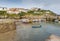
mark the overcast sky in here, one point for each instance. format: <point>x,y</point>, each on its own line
<point>53,5</point>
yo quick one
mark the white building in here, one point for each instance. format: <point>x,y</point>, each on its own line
<point>3,8</point>
<point>23,10</point>
<point>34,8</point>
<point>16,10</point>
<point>12,12</point>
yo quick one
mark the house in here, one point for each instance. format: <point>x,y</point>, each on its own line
<point>13,11</point>
<point>3,8</point>
<point>23,10</point>
<point>58,17</point>
<point>35,9</point>
<point>16,10</point>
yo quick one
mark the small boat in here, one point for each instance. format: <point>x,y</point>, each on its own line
<point>36,26</point>
<point>35,20</point>
<point>26,21</point>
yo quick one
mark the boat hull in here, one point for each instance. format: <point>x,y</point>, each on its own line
<point>36,26</point>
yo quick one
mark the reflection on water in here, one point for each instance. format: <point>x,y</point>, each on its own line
<point>25,32</point>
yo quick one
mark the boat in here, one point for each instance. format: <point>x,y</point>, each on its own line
<point>35,20</point>
<point>26,21</point>
<point>36,26</point>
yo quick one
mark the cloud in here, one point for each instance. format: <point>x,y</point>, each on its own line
<point>44,4</point>
<point>55,8</point>
<point>53,5</point>
<point>33,3</point>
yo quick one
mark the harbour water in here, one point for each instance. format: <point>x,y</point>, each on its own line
<point>25,32</point>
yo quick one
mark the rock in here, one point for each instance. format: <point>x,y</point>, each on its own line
<point>8,36</point>
<point>53,38</point>
<point>7,30</point>
<point>7,26</point>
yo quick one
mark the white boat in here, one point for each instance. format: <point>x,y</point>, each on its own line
<point>25,21</point>
<point>35,20</point>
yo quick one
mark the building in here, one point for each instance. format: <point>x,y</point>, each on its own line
<point>16,10</point>
<point>3,8</point>
<point>23,10</point>
<point>35,9</point>
<point>12,11</point>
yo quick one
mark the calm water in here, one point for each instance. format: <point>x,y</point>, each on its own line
<point>25,32</point>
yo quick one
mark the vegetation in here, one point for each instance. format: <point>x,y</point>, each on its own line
<point>3,14</point>
<point>22,14</point>
<point>30,12</point>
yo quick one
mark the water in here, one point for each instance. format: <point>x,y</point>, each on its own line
<point>25,32</point>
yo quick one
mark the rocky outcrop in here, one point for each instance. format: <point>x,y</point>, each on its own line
<point>53,38</point>
<point>7,25</point>
<point>8,36</point>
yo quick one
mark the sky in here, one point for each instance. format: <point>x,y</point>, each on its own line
<point>53,5</point>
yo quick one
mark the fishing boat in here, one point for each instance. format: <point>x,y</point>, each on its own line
<point>36,26</point>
